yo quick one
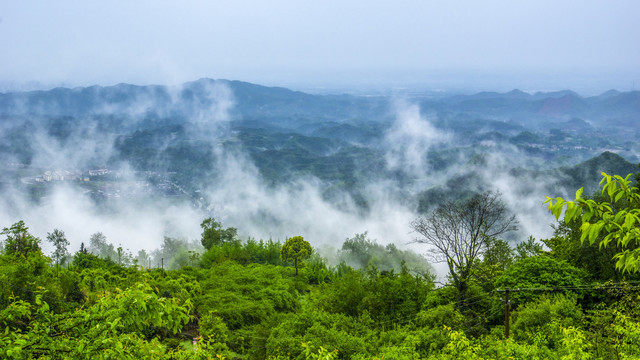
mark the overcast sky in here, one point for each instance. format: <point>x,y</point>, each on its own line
<point>498,45</point>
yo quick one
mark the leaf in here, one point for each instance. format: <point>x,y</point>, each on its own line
<point>584,231</point>
<point>594,231</point>
<point>556,209</point>
<point>618,196</point>
<point>629,221</point>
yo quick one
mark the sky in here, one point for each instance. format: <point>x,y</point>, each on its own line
<point>589,45</point>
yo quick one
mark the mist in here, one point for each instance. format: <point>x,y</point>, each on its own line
<point>422,164</point>
<point>235,193</point>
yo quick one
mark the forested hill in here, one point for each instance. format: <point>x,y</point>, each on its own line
<point>553,182</point>
<point>587,174</point>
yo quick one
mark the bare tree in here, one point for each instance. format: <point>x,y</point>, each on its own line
<point>459,232</point>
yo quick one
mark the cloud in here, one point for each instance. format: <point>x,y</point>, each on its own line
<point>137,222</point>
<point>242,199</point>
<point>235,190</point>
<point>410,138</point>
<point>235,193</point>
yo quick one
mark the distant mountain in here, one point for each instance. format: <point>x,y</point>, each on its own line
<point>255,105</point>
<point>609,94</point>
<point>340,139</point>
<point>568,104</point>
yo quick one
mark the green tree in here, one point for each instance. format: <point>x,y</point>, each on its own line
<point>296,249</point>
<point>539,272</point>
<point>98,246</point>
<point>214,234</point>
<point>497,258</point>
<point>60,243</point>
<point>528,248</point>
<point>18,240</point>
<point>597,261</point>
<point>459,233</point>
<point>111,329</point>
<point>143,258</point>
<point>618,219</point>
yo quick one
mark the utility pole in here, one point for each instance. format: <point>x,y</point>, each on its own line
<point>506,313</point>
<point>506,310</point>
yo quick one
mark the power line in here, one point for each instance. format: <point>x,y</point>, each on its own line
<point>595,286</point>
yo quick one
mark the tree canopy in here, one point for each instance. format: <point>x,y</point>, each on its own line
<point>213,234</point>
<point>19,241</point>
<point>297,249</point>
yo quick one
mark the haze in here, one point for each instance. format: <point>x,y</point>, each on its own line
<point>490,45</point>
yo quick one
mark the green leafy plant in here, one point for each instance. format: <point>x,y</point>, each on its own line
<point>618,224</point>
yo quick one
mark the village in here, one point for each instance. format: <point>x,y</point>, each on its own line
<point>103,183</point>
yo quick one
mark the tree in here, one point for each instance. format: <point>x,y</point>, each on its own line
<point>98,246</point>
<point>618,219</point>
<point>296,249</point>
<point>214,234</point>
<point>143,258</point>
<point>19,241</point>
<point>539,272</point>
<point>60,242</point>
<point>459,233</point>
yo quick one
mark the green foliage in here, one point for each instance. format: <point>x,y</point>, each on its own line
<point>598,262</point>
<point>23,276</point>
<point>246,295</point>
<point>214,235</point>
<point>296,249</point>
<point>60,243</point>
<point>330,331</point>
<point>98,246</point>
<point>86,260</point>
<point>251,251</point>
<point>540,322</point>
<point>528,248</point>
<point>18,240</point>
<point>619,225</point>
<point>612,328</point>
<point>240,306</point>
<point>108,329</point>
<point>539,272</point>
<point>497,258</point>
<point>360,252</point>
<point>175,253</point>
<point>322,353</point>
<point>384,296</point>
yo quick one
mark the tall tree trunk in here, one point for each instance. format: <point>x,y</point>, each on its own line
<point>461,298</point>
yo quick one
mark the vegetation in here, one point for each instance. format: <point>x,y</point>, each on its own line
<point>240,299</point>
<point>296,249</point>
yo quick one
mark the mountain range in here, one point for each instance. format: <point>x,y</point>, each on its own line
<point>345,141</point>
